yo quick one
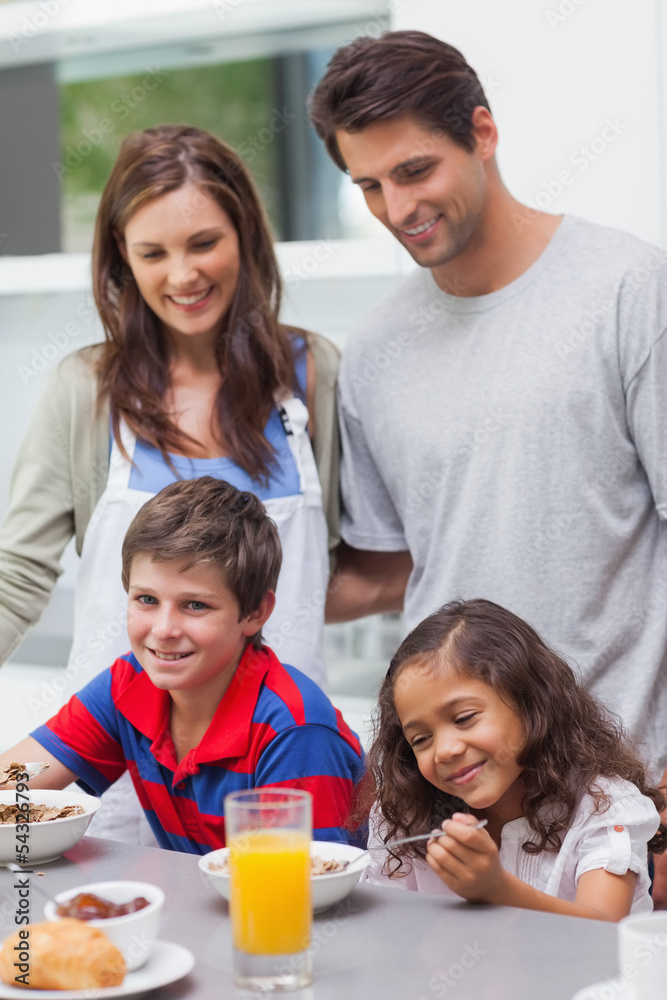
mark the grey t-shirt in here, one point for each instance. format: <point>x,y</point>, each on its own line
<point>516,444</point>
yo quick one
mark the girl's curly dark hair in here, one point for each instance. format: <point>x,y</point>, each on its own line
<point>571,740</point>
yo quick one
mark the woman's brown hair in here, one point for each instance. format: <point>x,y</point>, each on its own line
<point>401,74</point>
<point>254,352</point>
<point>570,739</point>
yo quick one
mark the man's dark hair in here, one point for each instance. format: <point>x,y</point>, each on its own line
<point>399,74</point>
<point>208,521</point>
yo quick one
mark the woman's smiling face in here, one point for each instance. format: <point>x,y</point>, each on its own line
<point>183,250</point>
<point>465,738</point>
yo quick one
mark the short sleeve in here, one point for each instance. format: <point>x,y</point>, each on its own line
<point>616,840</point>
<point>316,759</point>
<point>647,420</point>
<point>369,518</point>
<point>84,735</point>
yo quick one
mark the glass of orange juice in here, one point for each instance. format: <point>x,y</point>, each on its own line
<point>268,834</point>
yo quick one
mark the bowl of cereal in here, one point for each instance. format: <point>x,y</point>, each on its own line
<point>333,874</point>
<point>39,825</point>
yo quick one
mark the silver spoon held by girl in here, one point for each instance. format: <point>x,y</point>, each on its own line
<point>409,840</point>
<point>423,836</point>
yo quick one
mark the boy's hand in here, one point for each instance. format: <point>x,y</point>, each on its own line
<point>466,860</point>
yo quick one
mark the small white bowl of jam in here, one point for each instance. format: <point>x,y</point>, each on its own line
<point>127,912</point>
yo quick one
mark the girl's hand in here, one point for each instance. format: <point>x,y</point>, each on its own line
<point>467,860</point>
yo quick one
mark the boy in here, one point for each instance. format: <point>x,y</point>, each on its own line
<point>200,708</point>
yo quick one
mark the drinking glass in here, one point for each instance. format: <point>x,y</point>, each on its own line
<point>268,834</point>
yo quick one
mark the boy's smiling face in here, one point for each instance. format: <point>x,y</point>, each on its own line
<point>184,626</point>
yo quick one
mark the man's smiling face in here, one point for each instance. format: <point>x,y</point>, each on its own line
<point>424,187</point>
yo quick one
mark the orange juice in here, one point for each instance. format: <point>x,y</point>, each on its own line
<point>270,891</point>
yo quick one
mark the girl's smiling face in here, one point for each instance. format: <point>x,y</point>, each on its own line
<point>465,738</point>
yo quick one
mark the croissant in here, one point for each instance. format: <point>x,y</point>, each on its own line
<point>61,955</point>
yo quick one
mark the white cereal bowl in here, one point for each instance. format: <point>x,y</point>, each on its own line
<point>49,840</point>
<point>134,934</point>
<point>326,889</point>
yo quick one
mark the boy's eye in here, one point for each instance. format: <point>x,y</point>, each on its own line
<point>146,599</point>
<point>197,605</point>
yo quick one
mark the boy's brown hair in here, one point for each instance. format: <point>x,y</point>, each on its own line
<point>209,521</point>
<point>400,74</point>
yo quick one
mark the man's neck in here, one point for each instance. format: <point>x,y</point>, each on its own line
<point>509,240</point>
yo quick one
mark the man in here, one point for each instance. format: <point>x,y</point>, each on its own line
<point>504,411</point>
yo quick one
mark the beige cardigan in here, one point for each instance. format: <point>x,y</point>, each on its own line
<point>61,473</point>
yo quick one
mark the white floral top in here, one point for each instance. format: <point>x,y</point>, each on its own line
<point>614,840</point>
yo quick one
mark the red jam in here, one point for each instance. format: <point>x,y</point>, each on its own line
<point>88,906</point>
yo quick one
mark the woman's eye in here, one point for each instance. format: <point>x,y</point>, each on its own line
<point>205,245</point>
<point>151,255</point>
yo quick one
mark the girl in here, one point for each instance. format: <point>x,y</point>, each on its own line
<point>479,720</point>
<point>196,376</point>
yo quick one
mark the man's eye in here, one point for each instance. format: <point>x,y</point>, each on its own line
<point>410,173</point>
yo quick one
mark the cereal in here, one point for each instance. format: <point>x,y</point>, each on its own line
<point>38,813</point>
<point>318,866</point>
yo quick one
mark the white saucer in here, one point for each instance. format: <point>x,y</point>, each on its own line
<point>608,989</point>
<point>168,963</point>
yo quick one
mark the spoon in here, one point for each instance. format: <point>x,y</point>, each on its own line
<point>12,770</point>
<point>409,840</point>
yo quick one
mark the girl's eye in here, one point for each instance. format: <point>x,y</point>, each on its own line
<point>205,245</point>
<point>462,719</point>
<point>418,741</point>
<point>151,255</point>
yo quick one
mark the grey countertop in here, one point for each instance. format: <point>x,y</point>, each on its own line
<point>379,943</point>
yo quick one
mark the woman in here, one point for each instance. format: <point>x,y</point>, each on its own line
<point>196,377</point>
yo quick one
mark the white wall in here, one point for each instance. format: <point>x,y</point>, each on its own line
<point>556,73</point>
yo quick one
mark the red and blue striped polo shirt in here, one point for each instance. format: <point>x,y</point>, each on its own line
<point>273,726</point>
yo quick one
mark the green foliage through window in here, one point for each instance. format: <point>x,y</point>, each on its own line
<point>234,100</point>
